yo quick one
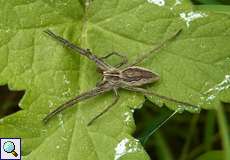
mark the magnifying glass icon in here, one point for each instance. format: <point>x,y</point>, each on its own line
<point>9,147</point>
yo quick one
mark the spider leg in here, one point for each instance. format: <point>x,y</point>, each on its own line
<point>85,52</point>
<point>124,58</point>
<point>107,108</point>
<point>155,48</point>
<point>94,92</point>
<point>146,92</point>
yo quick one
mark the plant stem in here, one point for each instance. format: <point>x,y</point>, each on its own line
<point>223,131</point>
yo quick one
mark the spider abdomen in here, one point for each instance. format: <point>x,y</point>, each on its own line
<point>137,76</point>
<point>131,76</point>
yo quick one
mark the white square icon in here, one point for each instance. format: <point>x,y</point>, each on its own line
<point>10,148</point>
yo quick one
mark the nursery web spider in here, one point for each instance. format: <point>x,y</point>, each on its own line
<point>123,75</point>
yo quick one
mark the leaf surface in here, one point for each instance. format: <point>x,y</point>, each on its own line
<point>196,62</point>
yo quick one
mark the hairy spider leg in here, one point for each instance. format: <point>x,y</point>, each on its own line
<point>107,108</point>
<point>85,52</point>
<point>91,93</point>
<point>146,92</point>
<point>156,48</point>
<point>124,58</point>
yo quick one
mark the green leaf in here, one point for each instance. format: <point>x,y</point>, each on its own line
<point>214,8</point>
<point>211,155</point>
<point>195,62</point>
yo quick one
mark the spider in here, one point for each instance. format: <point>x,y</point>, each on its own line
<point>125,76</point>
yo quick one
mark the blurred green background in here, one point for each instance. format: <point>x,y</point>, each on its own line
<point>9,101</point>
<point>184,137</point>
